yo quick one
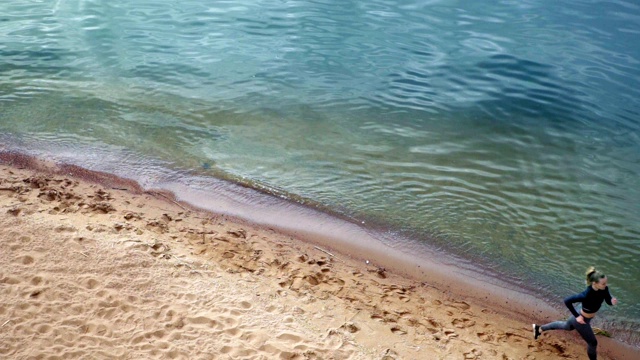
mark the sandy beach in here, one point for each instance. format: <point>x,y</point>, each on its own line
<point>95,267</point>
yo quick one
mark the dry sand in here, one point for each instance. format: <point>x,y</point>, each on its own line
<point>95,268</point>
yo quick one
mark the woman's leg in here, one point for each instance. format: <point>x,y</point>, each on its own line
<point>587,334</point>
<point>584,330</point>
<point>560,325</point>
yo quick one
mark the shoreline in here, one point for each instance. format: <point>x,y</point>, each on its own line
<point>319,228</point>
<point>455,294</point>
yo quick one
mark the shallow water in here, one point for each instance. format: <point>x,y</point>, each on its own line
<point>507,134</point>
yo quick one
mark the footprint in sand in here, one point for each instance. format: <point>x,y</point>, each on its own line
<point>445,335</point>
<point>258,339</point>
<point>512,337</point>
<point>245,305</point>
<point>44,329</point>
<point>242,308</point>
<point>65,228</point>
<point>558,348</point>
<point>463,323</point>
<point>90,283</point>
<point>289,338</point>
<point>8,280</point>
<point>398,330</point>
<point>434,325</point>
<point>473,354</point>
<point>270,350</point>
<point>486,336</point>
<point>146,336</point>
<point>25,260</point>
<point>312,279</point>
<point>204,321</point>
<point>450,333</point>
<point>14,211</point>
<point>460,305</point>
<point>334,339</point>
<point>226,350</point>
<point>350,327</point>
<point>37,280</point>
<point>379,317</point>
<point>98,329</point>
<point>34,294</point>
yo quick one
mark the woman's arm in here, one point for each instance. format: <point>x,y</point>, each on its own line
<point>610,300</point>
<point>574,299</point>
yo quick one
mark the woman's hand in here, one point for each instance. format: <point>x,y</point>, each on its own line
<point>614,301</point>
<point>580,320</point>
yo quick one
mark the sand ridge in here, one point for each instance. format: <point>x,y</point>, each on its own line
<point>90,271</point>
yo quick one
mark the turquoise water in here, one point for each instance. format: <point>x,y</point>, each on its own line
<point>505,133</point>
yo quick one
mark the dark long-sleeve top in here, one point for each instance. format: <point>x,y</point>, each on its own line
<point>590,298</point>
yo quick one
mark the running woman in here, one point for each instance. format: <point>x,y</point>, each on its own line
<point>591,299</point>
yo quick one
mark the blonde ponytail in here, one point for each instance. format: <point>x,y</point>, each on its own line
<point>593,275</point>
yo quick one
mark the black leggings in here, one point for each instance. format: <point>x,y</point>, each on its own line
<point>584,330</point>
